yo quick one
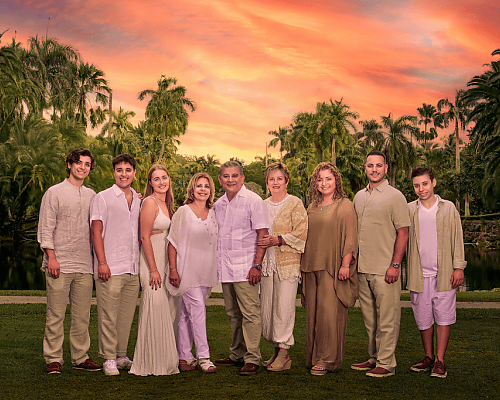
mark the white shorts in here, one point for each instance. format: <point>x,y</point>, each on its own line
<point>432,306</point>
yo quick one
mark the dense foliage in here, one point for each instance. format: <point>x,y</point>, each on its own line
<point>49,96</point>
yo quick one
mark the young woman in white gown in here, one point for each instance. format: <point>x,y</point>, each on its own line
<point>192,256</point>
<point>155,350</point>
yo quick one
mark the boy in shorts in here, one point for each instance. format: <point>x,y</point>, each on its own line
<point>436,262</point>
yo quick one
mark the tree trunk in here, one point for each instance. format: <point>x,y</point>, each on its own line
<point>110,123</point>
<point>334,154</point>
<point>467,208</point>
<point>160,159</point>
<point>457,148</point>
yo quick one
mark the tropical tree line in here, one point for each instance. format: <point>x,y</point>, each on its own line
<point>50,96</point>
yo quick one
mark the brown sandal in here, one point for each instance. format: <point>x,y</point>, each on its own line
<point>188,365</point>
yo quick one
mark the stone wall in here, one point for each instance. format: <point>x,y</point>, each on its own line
<point>483,233</point>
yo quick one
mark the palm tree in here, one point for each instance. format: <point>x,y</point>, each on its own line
<point>335,119</point>
<point>47,63</point>
<point>168,109</point>
<point>389,137</point>
<point>429,114</point>
<point>458,112</point>
<point>120,122</point>
<point>281,138</point>
<point>85,90</point>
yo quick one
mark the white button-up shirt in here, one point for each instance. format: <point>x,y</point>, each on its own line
<point>238,221</point>
<point>120,230</point>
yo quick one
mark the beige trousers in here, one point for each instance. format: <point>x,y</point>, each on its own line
<point>242,305</point>
<point>381,308</point>
<point>77,288</point>
<point>116,304</point>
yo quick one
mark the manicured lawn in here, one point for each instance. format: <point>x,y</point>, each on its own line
<point>472,358</point>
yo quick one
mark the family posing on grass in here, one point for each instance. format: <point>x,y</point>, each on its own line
<point>259,251</point>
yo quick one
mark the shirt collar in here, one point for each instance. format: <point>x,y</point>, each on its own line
<point>240,193</point>
<point>118,191</point>
<point>380,187</point>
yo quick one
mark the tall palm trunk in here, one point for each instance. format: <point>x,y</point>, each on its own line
<point>160,159</point>
<point>334,154</point>
<point>457,160</point>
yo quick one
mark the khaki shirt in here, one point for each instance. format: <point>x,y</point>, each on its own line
<point>450,246</point>
<point>380,213</point>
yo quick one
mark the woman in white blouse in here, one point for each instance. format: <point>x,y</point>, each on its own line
<point>192,256</point>
<point>281,265</point>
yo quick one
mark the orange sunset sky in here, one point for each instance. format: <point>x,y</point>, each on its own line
<point>251,65</point>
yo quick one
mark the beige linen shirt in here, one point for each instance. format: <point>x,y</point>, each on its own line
<point>64,227</point>
<point>380,213</point>
<point>450,246</point>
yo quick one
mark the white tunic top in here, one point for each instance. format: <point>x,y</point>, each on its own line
<point>196,243</point>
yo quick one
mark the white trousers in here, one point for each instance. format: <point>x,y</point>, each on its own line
<point>277,307</point>
<point>193,324</point>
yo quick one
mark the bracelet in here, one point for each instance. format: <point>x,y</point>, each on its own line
<point>280,240</point>
<point>105,262</point>
<point>172,270</point>
<point>153,270</point>
<point>345,266</point>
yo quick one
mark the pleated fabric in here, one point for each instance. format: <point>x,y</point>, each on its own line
<point>155,350</point>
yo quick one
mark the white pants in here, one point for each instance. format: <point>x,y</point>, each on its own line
<point>193,324</point>
<point>277,307</point>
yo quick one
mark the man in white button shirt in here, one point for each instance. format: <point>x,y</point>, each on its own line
<point>242,217</point>
<point>114,217</point>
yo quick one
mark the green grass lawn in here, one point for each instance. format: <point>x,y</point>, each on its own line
<point>472,357</point>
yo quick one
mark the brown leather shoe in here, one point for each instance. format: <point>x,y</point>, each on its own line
<point>366,366</point>
<point>228,362</point>
<point>425,364</point>
<point>249,369</point>
<point>379,372</point>
<point>54,368</point>
<point>439,370</point>
<point>88,365</point>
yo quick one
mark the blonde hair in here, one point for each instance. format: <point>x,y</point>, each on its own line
<point>315,194</point>
<point>277,167</point>
<point>169,196</point>
<point>192,183</point>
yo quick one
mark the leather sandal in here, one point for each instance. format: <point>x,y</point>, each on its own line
<point>188,365</point>
<point>280,364</point>
<point>318,370</point>
<point>205,365</point>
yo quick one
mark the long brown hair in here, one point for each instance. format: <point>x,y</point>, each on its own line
<point>192,184</point>
<point>315,194</point>
<point>169,196</point>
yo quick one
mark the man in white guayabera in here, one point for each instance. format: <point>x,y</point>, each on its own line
<point>64,236</point>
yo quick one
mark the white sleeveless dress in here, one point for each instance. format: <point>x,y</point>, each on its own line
<point>155,350</point>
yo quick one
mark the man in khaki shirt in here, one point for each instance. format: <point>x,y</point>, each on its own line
<point>383,221</point>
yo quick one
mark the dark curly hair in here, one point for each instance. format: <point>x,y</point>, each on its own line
<point>315,194</point>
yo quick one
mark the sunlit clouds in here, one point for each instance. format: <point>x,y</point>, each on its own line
<point>251,65</point>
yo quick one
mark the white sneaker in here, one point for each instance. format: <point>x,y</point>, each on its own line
<point>123,363</point>
<point>109,367</point>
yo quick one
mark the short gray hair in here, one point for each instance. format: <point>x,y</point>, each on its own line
<point>231,164</point>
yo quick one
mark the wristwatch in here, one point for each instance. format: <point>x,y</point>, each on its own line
<point>280,240</point>
<point>258,267</point>
<point>395,265</point>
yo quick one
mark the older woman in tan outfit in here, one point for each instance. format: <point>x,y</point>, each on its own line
<point>281,265</point>
<point>329,279</point>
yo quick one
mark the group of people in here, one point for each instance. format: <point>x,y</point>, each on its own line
<point>259,251</point>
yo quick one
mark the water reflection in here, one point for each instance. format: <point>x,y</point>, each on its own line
<point>20,268</point>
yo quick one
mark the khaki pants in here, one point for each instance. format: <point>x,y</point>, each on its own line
<point>381,308</point>
<point>116,304</point>
<point>77,288</point>
<point>242,305</point>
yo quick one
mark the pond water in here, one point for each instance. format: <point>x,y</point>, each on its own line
<point>20,268</point>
